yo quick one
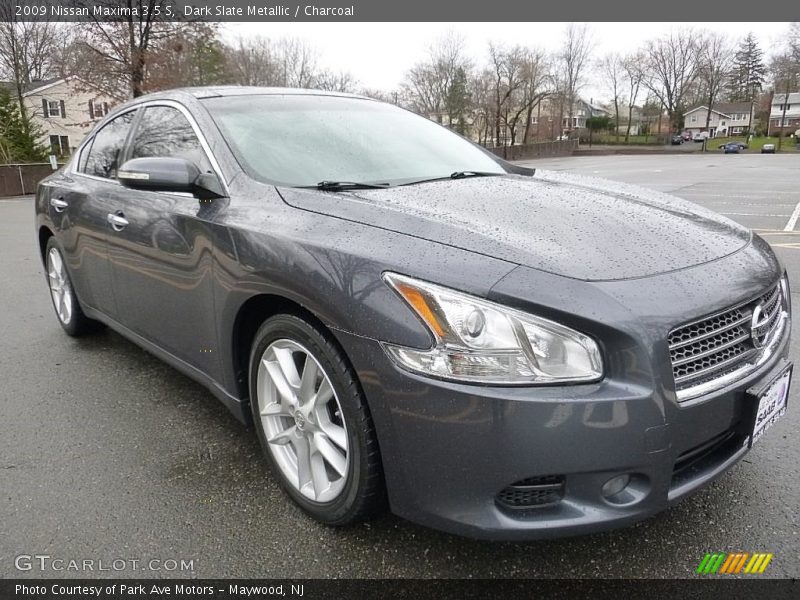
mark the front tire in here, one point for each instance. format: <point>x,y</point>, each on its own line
<point>62,293</point>
<point>313,422</point>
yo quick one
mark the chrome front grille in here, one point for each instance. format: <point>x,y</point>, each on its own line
<point>707,350</point>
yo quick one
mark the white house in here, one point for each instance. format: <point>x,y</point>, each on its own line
<point>727,118</point>
<point>64,109</point>
<point>788,121</point>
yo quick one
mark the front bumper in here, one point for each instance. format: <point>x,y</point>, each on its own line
<point>449,449</point>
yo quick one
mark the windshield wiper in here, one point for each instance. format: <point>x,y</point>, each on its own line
<point>349,185</point>
<point>456,175</point>
<point>463,174</point>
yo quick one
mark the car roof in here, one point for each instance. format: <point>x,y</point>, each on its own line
<point>200,93</point>
<point>218,91</point>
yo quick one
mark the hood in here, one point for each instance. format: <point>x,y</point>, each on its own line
<point>580,227</point>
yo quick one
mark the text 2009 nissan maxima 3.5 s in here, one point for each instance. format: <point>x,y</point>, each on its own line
<point>495,351</point>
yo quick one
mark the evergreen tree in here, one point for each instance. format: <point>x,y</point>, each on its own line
<point>457,101</point>
<point>18,139</point>
<point>749,72</point>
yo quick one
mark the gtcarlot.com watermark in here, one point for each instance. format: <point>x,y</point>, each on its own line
<point>46,563</point>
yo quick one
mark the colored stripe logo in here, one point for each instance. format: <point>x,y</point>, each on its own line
<point>734,563</point>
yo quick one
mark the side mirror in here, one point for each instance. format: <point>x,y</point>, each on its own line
<point>163,174</point>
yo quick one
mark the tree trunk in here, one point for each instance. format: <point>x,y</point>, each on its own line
<point>137,61</point>
<point>528,118</point>
<point>628,128</point>
<point>616,124</point>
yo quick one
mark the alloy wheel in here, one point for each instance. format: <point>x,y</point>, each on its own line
<point>60,288</point>
<point>303,421</point>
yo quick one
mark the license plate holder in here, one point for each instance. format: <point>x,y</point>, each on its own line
<point>771,402</point>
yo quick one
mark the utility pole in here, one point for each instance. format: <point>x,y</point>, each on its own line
<point>783,114</point>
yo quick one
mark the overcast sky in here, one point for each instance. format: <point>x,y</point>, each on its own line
<point>379,54</point>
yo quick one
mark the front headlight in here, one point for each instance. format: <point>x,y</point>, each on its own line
<point>477,341</point>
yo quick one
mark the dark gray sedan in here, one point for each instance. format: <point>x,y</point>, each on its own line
<point>405,319</point>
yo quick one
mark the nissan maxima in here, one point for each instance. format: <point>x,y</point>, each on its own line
<point>409,321</point>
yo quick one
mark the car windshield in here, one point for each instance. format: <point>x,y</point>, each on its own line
<point>298,140</point>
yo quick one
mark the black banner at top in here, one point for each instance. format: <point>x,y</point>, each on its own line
<point>393,10</point>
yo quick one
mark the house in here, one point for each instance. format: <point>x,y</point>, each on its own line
<point>784,113</point>
<point>545,118</point>
<point>65,110</point>
<point>635,119</point>
<point>727,118</point>
<point>581,112</point>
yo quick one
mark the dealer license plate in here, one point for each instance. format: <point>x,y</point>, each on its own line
<point>772,404</point>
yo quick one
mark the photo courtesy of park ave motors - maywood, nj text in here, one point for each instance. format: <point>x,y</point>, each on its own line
<point>293,295</point>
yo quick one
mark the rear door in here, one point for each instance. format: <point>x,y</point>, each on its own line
<point>161,250</point>
<point>79,207</point>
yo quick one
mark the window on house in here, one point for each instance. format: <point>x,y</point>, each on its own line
<point>694,118</point>
<point>59,145</point>
<point>53,109</point>
<point>98,109</point>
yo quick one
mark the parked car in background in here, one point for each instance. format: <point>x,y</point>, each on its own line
<point>687,136</point>
<point>732,147</point>
<point>700,136</point>
<point>739,145</point>
<point>499,352</point>
<point>768,149</point>
<point>676,139</point>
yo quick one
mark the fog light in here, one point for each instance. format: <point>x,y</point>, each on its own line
<point>615,485</point>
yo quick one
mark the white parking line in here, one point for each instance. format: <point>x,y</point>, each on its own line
<point>793,219</point>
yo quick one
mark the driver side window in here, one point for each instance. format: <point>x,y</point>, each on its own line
<point>102,158</point>
<point>164,131</point>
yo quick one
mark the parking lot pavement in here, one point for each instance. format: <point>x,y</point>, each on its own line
<point>758,190</point>
<point>106,453</point>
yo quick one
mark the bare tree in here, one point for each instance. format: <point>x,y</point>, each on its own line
<point>574,59</point>
<point>507,79</point>
<point>614,74</point>
<point>251,61</point>
<point>26,51</point>
<point>671,67</point>
<point>114,56</point>
<point>482,94</point>
<point>335,82</point>
<point>297,63</point>
<point>632,64</point>
<point>716,56</point>
<point>536,85</point>
<point>437,86</point>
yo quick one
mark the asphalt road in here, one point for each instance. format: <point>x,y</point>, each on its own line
<point>106,453</point>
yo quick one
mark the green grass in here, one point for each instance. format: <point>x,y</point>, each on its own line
<point>787,144</point>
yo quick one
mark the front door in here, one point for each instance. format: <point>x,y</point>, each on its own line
<point>79,207</point>
<point>161,251</point>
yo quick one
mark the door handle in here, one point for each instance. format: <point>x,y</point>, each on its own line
<point>118,222</point>
<point>59,204</point>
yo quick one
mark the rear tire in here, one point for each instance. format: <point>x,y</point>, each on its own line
<point>67,307</point>
<point>313,422</point>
